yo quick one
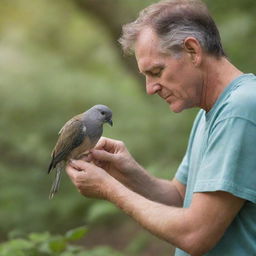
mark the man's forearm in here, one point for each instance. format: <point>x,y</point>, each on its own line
<point>164,221</point>
<point>155,189</point>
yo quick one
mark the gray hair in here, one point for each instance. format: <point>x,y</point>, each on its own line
<point>174,21</point>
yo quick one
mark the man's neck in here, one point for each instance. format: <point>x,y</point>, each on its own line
<point>218,74</point>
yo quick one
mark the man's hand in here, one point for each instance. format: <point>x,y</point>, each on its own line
<point>90,180</point>
<point>113,157</point>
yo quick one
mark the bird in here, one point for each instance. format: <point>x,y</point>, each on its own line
<point>78,135</point>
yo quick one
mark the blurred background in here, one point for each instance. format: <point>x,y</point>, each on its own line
<point>57,59</point>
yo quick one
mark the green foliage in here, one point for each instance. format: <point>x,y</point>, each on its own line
<point>47,79</point>
<point>101,211</point>
<point>75,234</point>
<point>138,244</point>
<point>46,244</point>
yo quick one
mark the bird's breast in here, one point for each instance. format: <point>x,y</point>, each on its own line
<point>94,131</point>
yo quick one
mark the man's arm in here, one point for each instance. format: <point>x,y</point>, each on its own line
<point>113,157</point>
<point>195,230</point>
<point>169,192</point>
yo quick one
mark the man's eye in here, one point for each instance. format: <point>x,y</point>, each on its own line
<point>156,73</point>
<point>153,73</point>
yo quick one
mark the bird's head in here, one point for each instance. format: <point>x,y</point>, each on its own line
<point>103,113</point>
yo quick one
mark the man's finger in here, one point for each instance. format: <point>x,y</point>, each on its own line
<point>80,165</point>
<point>106,143</point>
<point>102,155</point>
<point>101,143</point>
<point>71,172</point>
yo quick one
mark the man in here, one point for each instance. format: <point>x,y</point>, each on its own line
<point>178,49</point>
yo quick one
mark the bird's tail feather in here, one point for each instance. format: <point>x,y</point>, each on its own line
<point>56,182</point>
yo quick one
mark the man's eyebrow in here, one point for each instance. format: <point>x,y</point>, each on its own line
<point>154,66</point>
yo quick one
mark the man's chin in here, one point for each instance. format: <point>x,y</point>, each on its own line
<point>176,108</point>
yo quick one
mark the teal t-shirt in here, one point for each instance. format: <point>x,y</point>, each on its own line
<point>221,156</point>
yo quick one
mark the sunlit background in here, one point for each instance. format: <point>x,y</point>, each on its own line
<point>59,58</point>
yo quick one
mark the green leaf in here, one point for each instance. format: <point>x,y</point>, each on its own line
<point>57,244</point>
<point>39,237</point>
<point>101,211</point>
<point>76,234</point>
<point>18,244</point>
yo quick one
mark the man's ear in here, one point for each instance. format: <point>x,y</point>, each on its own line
<point>193,48</point>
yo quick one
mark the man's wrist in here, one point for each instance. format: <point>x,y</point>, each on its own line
<point>112,188</point>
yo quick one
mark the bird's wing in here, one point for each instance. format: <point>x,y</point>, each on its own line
<point>71,136</point>
<point>67,124</point>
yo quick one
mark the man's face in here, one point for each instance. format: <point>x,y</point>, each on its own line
<point>173,78</point>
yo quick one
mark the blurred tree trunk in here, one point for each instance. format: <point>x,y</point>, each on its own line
<point>113,14</point>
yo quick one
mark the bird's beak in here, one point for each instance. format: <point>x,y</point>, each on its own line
<point>110,122</point>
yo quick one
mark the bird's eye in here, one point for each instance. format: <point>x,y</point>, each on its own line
<point>102,112</point>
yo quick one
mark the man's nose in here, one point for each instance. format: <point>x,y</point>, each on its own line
<point>152,87</point>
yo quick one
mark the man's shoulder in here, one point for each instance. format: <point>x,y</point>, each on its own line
<point>241,101</point>
<point>244,93</point>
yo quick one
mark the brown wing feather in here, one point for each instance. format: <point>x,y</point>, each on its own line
<point>71,136</point>
<point>68,133</point>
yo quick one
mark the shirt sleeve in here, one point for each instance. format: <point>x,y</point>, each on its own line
<point>229,162</point>
<point>182,172</point>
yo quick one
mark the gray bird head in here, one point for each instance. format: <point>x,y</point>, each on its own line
<point>101,113</point>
